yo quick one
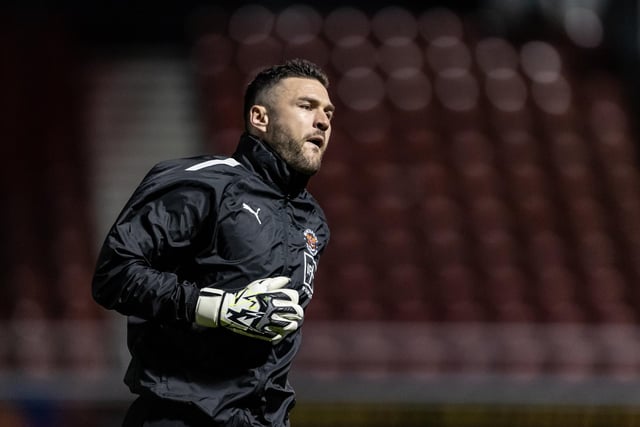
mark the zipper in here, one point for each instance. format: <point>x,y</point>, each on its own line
<point>285,223</point>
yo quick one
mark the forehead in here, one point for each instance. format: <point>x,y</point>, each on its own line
<point>299,87</point>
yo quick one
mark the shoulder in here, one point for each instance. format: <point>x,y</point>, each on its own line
<point>202,170</point>
<point>198,176</point>
<point>314,207</point>
<point>307,195</point>
<point>198,166</point>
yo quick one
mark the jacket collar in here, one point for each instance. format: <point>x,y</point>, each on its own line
<point>260,158</point>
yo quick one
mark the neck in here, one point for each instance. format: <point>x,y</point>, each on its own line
<point>264,161</point>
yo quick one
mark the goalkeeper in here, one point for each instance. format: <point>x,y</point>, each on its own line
<point>213,258</point>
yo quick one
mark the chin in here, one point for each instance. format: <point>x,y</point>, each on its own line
<point>307,169</point>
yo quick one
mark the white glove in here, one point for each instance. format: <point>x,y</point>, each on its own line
<point>262,310</point>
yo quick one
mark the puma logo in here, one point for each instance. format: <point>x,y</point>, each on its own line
<point>255,213</point>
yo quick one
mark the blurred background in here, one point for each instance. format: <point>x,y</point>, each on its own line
<point>482,187</point>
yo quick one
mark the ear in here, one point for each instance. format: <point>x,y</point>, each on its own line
<point>258,117</point>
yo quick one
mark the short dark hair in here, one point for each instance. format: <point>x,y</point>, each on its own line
<point>269,77</point>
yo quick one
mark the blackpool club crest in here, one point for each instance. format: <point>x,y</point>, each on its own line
<point>311,240</point>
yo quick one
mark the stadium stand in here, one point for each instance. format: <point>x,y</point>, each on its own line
<point>482,189</point>
<point>470,180</point>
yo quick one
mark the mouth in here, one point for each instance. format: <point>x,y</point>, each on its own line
<point>317,140</point>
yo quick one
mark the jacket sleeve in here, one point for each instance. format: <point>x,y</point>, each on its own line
<point>135,271</point>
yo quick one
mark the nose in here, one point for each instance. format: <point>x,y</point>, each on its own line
<point>322,121</point>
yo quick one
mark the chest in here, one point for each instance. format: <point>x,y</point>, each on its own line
<point>262,234</point>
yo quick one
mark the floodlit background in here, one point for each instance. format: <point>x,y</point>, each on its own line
<point>481,184</point>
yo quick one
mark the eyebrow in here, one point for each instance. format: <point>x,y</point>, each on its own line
<point>316,101</point>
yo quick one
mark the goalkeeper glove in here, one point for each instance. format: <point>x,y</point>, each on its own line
<point>262,310</point>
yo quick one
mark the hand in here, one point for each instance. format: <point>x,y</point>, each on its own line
<point>262,310</point>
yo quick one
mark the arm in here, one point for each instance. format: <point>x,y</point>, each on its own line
<point>134,269</point>
<point>133,273</point>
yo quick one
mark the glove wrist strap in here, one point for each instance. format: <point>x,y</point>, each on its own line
<point>209,306</point>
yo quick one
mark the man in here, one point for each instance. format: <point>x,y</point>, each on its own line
<point>213,260</point>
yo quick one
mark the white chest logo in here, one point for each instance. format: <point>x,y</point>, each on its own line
<point>255,213</point>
